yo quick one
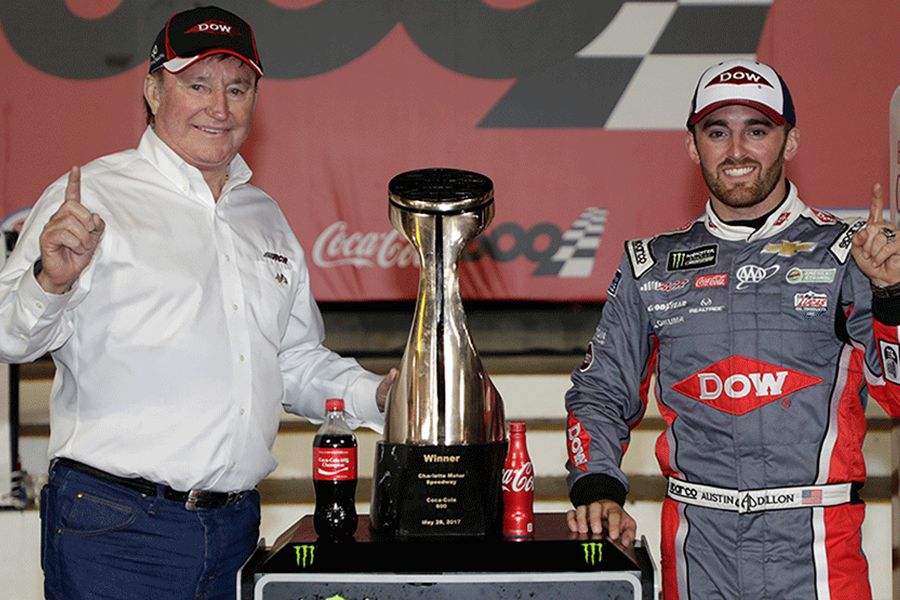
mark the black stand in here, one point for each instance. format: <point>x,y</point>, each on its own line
<point>554,564</point>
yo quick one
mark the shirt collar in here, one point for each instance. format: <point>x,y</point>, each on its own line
<point>160,155</point>
<point>780,219</point>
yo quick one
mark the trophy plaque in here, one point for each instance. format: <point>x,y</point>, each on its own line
<point>438,468</point>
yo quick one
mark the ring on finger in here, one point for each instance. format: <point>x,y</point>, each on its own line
<point>889,233</point>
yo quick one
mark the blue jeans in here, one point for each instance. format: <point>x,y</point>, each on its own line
<point>101,540</point>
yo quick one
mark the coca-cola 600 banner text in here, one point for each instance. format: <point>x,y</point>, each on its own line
<point>574,108</point>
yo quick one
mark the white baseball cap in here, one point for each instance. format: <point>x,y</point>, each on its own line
<point>746,82</point>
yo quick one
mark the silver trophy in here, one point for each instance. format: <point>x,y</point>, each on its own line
<point>437,471</point>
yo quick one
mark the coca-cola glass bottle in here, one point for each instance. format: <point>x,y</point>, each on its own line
<point>518,485</point>
<point>334,475</point>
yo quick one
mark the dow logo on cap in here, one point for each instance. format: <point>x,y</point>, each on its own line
<point>214,26</point>
<point>739,75</point>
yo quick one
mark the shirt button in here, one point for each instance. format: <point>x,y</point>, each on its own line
<point>227,258</point>
<point>23,337</point>
<point>39,304</point>
<point>242,358</point>
<point>242,412</point>
<point>234,306</point>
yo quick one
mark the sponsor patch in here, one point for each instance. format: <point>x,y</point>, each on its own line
<point>579,443</point>
<point>669,321</point>
<point>664,286</point>
<point>840,249</point>
<point>781,219</point>
<point>706,306</point>
<point>640,252</point>
<point>214,26</point>
<point>664,306</point>
<point>811,304</point>
<point>823,217</point>
<point>737,385</point>
<point>640,256</point>
<point>797,275</point>
<point>711,281</point>
<point>890,361</point>
<point>696,258</point>
<point>614,286</point>
<point>788,248</point>
<point>752,274</point>
<point>739,75</point>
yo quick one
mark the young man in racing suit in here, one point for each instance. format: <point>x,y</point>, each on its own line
<point>759,329</point>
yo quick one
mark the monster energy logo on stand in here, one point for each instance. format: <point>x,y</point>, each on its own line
<point>593,553</point>
<point>305,552</point>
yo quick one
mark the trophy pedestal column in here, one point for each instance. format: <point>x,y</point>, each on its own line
<point>438,468</point>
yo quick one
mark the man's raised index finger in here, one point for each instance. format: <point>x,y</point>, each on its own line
<point>73,186</point>
<point>876,206</point>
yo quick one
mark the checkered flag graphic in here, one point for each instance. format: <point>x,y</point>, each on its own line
<point>640,71</point>
<point>577,252</point>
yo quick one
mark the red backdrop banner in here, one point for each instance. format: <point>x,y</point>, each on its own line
<point>575,110</point>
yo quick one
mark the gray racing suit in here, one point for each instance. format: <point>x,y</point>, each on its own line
<point>759,346</point>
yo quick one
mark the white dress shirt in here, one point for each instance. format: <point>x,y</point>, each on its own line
<point>192,326</point>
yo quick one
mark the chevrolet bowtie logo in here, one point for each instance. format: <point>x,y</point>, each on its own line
<point>786,248</point>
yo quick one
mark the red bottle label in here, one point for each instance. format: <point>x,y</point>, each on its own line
<point>334,464</point>
<point>518,499</point>
<point>519,479</point>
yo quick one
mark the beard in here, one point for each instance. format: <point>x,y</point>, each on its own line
<point>745,195</point>
<point>750,194</point>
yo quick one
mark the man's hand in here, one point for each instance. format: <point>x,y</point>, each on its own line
<point>875,250</point>
<point>384,387</point>
<point>603,516</point>
<point>69,239</point>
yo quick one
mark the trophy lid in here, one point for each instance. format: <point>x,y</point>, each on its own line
<point>441,191</point>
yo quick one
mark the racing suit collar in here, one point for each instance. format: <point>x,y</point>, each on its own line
<point>779,220</point>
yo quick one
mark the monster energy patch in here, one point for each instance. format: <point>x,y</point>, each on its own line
<point>696,258</point>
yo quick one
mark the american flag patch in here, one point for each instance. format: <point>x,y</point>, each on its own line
<point>811,497</point>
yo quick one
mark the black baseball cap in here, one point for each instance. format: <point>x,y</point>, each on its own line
<point>200,32</point>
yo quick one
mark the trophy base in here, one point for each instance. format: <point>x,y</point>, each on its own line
<point>435,491</point>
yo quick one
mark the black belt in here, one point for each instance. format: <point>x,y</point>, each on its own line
<point>192,500</point>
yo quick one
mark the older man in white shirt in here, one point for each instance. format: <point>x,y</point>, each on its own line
<point>175,301</point>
